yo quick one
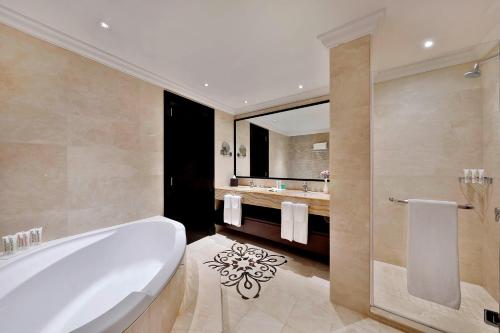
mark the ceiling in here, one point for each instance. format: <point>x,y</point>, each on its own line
<point>258,51</point>
<point>307,120</point>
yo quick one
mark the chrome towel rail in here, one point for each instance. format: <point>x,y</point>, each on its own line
<point>406,201</point>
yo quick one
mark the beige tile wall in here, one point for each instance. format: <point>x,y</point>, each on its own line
<point>303,161</point>
<point>81,145</point>
<point>350,86</point>
<point>491,158</point>
<point>427,128</point>
<point>243,138</point>
<point>224,167</point>
<point>279,159</point>
<point>315,186</point>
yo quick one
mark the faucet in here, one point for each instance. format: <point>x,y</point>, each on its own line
<point>305,188</point>
<point>252,184</point>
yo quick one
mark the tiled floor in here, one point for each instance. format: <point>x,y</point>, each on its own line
<point>296,300</point>
<point>390,293</point>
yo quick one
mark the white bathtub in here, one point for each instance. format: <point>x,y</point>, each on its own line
<point>96,281</point>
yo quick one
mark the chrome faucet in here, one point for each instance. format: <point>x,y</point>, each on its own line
<point>305,188</point>
<point>252,183</point>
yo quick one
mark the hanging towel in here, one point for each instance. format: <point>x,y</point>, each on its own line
<point>227,208</point>
<point>432,260</point>
<point>287,220</point>
<point>300,222</point>
<point>236,210</point>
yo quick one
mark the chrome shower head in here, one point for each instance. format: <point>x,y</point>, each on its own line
<point>476,72</point>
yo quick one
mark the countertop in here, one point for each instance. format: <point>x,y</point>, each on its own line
<point>318,202</point>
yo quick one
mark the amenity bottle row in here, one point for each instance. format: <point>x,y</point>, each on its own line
<point>21,240</point>
<point>474,176</point>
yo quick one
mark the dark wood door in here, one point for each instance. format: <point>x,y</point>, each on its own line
<point>189,165</point>
<point>259,151</point>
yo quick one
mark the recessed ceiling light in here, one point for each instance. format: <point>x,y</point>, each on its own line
<point>301,86</point>
<point>104,25</point>
<point>246,102</point>
<point>428,43</point>
<point>206,84</point>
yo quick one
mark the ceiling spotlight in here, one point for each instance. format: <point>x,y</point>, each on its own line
<point>206,84</point>
<point>301,86</point>
<point>104,25</point>
<point>246,102</point>
<point>428,43</point>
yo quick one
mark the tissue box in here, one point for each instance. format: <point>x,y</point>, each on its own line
<point>233,182</point>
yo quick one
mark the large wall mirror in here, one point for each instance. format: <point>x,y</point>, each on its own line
<point>287,144</point>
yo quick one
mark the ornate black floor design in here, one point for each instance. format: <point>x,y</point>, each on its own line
<point>246,268</point>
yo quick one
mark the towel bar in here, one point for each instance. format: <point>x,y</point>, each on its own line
<point>406,201</point>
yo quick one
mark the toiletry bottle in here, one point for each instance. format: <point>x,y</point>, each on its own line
<point>466,176</point>
<point>5,245</point>
<point>480,175</point>
<point>474,176</point>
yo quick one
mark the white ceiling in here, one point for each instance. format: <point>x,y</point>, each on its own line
<point>308,120</point>
<point>258,50</point>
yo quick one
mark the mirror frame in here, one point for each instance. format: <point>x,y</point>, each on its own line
<point>265,114</point>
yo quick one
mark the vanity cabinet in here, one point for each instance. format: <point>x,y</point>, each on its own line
<point>261,216</point>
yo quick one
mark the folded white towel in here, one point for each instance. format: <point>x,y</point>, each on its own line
<point>236,210</point>
<point>287,220</point>
<point>300,222</point>
<point>227,208</point>
<point>433,271</point>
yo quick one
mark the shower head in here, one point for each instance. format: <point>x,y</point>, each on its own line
<point>476,72</point>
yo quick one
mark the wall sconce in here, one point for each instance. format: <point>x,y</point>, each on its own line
<point>242,151</point>
<point>226,149</point>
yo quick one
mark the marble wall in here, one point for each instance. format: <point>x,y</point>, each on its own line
<point>491,162</point>
<point>350,85</point>
<point>303,161</point>
<point>279,160</point>
<point>427,129</point>
<point>314,186</point>
<point>81,144</point>
<point>224,167</point>
<point>243,138</point>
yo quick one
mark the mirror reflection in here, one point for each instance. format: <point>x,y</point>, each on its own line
<point>285,144</point>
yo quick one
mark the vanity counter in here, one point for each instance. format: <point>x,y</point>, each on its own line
<point>318,202</point>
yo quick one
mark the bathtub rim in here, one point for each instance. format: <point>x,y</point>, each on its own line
<point>9,259</point>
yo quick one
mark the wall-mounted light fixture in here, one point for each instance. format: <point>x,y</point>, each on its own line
<point>226,149</point>
<point>242,151</point>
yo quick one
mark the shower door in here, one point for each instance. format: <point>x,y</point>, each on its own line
<point>427,128</point>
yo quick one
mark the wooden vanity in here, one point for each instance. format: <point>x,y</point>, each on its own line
<point>261,215</point>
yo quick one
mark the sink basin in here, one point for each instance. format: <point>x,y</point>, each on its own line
<point>253,188</point>
<point>273,189</point>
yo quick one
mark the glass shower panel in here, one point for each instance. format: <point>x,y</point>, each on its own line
<point>428,128</point>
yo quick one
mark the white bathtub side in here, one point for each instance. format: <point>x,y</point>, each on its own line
<point>67,284</point>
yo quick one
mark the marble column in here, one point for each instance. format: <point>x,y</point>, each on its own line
<point>350,88</point>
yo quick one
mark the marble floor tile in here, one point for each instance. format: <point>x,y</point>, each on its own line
<point>259,321</point>
<point>295,300</point>
<point>390,293</point>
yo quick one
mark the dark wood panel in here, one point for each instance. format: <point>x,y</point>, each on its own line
<point>318,243</point>
<point>189,165</point>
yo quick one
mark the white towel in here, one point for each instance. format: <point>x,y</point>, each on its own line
<point>287,220</point>
<point>236,210</point>
<point>300,222</point>
<point>227,208</point>
<point>433,270</point>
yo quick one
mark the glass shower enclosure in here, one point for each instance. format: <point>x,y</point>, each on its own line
<point>429,125</point>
